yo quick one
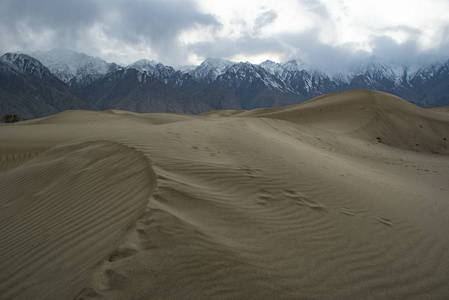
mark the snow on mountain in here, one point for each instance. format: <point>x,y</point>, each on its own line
<point>294,65</point>
<point>247,74</point>
<point>298,76</point>
<point>153,68</point>
<point>272,67</point>
<point>210,69</point>
<point>29,89</point>
<point>144,65</point>
<point>186,68</point>
<point>264,85</point>
<point>426,72</point>
<point>19,63</point>
<point>280,70</point>
<point>72,67</point>
<point>374,68</point>
<point>340,78</point>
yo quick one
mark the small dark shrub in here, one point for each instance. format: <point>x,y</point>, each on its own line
<point>10,118</point>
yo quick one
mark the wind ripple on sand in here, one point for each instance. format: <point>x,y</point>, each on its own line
<point>301,202</point>
<point>270,222</point>
<point>74,204</point>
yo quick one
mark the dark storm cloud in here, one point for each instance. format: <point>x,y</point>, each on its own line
<point>155,23</point>
<point>402,53</point>
<point>49,13</point>
<point>19,19</point>
<point>443,48</point>
<point>310,49</point>
<point>407,52</point>
<point>152,29</point>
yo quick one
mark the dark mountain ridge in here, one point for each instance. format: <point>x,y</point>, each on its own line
<point>71,80</point>
<point>29,89</point>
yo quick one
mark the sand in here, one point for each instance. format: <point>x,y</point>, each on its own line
<point>342,197</point>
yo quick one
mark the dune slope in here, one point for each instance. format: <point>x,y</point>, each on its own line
<point>329,199</point>
<point>65,211</point>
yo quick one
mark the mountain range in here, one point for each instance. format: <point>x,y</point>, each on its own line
<point>40,83</point>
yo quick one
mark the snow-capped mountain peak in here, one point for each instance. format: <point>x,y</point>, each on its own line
<point>144,65</point>
<point>371,65</point>
<point>429,70</point>
<point>24,64</point>
<point>210,69</point>
<point>147,67</point>
<point>295,64</point>
<point>217,63</point>
<point>272,67</point>
<point>246,73</point>
<point>376,69</point>
<point>73,67</point>
<point>253,85</point>
<point>186,68</point>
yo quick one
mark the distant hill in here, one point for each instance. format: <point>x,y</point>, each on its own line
<point>30,86</point>
<point>29,89</point>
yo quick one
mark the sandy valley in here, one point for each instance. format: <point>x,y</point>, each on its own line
<point>345,196</point>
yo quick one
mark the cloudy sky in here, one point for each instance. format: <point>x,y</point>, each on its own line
<point>179,32</point>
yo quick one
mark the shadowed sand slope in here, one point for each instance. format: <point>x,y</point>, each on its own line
<point>300,202</point>
<point>374,116</point>
<point>65,211</point>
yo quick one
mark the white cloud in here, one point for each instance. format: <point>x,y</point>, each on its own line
<point>186,31</point>
<point>358,21</point>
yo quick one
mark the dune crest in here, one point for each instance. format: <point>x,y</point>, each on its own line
<point>65,211</point>
<point>373,116</point>
<point>298,202</point>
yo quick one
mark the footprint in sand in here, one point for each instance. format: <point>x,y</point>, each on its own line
<point>250,171</point>
<point>347,212</point>
<point>121,253</point>
<point>264,197</point>
<point>385,221</point>
<point>290,193</point>
<point>302,199</point>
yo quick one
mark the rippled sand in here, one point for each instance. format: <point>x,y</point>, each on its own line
<point>343,197</point>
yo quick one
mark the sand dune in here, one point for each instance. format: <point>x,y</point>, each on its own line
<point>342,197</point>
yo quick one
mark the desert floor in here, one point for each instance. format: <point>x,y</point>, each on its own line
<point>342,197</point>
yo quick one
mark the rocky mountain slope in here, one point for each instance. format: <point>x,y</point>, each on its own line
<point>149,86</point>
<point>75,69</point>
<point>129,89</point>
<point>29,89</point>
